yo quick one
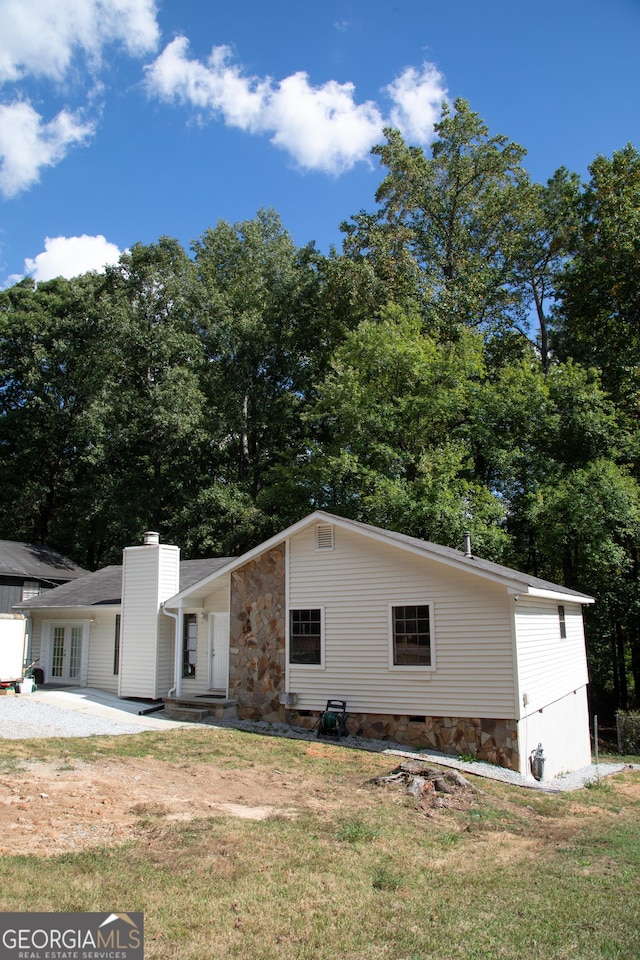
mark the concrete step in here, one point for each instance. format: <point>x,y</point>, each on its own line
<point>197,711</point>
<point>175,712</point>
<point>224,711</point>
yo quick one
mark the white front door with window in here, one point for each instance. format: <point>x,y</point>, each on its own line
<point>64,652</point>
<point>219,651</point>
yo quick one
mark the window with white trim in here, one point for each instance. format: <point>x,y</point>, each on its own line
<point>190,644</point>
<point>562,620</point>
<point>305,636</point>
<point>411,635</point>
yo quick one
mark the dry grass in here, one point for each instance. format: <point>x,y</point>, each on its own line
<point>360,872</point>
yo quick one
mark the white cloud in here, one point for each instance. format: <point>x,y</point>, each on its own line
<point>418,98</point>
<point>51,40</point>
<point>71,256</point>
<point>215,86</point>
<point>41,37</point>
<point>321,127</point>
<point>27,143</point>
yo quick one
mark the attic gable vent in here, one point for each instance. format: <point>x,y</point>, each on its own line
<point>324,536</point>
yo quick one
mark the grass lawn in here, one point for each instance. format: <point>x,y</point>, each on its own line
<point>359,872</point>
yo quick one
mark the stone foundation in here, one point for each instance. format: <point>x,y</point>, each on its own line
<point>257,637</point>
<point>495,741</point>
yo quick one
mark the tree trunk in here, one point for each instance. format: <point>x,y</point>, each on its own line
<point>157,489</point>
<point>623,698</point>
<point>244,440</point>
<point>615,671</point>
<point>544,329</point>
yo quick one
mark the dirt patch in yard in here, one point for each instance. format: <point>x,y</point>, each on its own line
<point>66,805</point>
<point>50,808</point>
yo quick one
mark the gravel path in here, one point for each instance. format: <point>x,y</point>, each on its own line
<point>575,780</point>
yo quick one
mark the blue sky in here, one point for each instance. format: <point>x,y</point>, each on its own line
<point>123,120</point>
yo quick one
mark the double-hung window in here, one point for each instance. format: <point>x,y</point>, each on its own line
<point>305,636</point>
<point>411,635</point>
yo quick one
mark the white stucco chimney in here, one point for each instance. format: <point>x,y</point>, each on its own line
<point>150,575</point>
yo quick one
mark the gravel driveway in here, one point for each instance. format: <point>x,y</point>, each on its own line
<point>79,712</point>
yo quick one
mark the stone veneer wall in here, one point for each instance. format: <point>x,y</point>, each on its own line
<point>257,636</point>
<point>495,741</point>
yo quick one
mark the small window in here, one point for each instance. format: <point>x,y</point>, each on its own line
<point>563,623</point>
<point>116,647</point>
<point>190,644</point>
<point>305,636</point>
<point>411,635</point>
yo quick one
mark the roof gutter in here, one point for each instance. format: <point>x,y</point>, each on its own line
<point>558,595</point>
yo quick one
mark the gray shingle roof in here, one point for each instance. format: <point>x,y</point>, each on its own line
<point>104,587</point>
<point>513,579</point>
<point>473,563</point>
<point>33,561</point>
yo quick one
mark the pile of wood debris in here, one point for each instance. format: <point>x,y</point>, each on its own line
<point>431,786</point>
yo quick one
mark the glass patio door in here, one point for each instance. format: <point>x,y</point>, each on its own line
<point>66,653</point>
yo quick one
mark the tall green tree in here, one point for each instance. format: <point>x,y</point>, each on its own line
<point>597,321</point>
<point>539,247</point>
<point>394,411</point>
<point>260,317</point>
<point>438,237</point>
<point>154,421</point>
<point>55,378</point>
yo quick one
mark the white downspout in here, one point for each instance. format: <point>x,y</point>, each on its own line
<point>177,656</point>
<point>26,644</point>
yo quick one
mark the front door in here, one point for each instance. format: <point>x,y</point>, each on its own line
<point>66,652</point>
<point>219,651</point>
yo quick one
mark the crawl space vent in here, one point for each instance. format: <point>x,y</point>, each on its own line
<point>324,536</point>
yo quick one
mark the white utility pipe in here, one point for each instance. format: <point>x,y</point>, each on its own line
<point>177,656</point>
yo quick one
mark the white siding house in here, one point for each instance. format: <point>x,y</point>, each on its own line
<point>211,668</point>
<point>72,630</point>
<point>108,630</point>
<point>553,678</point>
<point>327,610</point>
<point>427,646</point>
